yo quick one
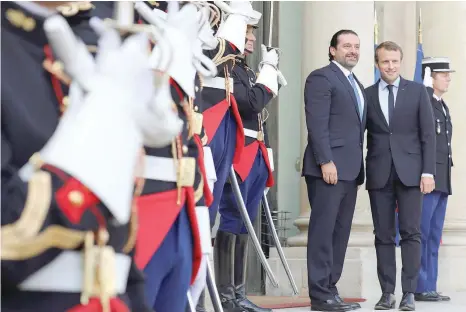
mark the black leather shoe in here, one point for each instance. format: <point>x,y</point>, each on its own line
<point>407,302</point>
<point>428,296</point>
<point>442,298</point>
<point>353,305</point>
<point>330,305</point>
<point>386,302</point>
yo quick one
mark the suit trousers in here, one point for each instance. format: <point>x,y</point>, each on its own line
<point>434,207</point>
<point>383,204</point>
<point>332,209</point>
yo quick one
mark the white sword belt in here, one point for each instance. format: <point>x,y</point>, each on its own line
<point>258,135</point>
<point>162,168</point>
<point>65,274</point>
<point>218,83</point>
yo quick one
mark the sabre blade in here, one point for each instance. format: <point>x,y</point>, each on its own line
<point>276,240</point>
<point>214,297</point>
<point>247,222</point>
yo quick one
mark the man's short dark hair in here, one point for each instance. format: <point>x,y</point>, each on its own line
<point>335,37</point>
<point>389,46</point>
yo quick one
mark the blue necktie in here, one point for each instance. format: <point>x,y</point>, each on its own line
<point>356,93</point>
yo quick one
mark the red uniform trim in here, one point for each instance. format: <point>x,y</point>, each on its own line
<point>270,180</point>
<point>74,205</point>
<point>208,196</point>
<point>157,213</point>
<point>213,117</point>
<point>94,305</point>
<point>243,168</point>
<point>74,210</point>
<point>56,84</point>
<point>240,139</point>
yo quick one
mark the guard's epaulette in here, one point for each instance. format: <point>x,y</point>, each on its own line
<point>219,58</point>
<point>73,8</point>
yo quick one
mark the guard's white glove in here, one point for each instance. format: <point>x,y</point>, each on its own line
<point>206,33</point>
<point>268,72</point>
<point>269,57</point>
<point>106,134</point>
<point>161,124</point>
<point>180,30</point>
<point>77,61</point>
<point>239,14</point>
<point>428,82</point>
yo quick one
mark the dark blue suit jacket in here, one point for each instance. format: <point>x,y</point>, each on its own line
<point>335,129</point>
<point>408,142</point>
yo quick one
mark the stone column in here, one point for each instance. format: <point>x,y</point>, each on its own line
<point>397,22</point>
<point>443,29</point>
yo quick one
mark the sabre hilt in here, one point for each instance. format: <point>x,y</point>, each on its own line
<point>123,20</point>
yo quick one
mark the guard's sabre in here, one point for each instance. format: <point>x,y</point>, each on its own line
<point>247,222</point>
<point>269,44</point>
<point>281,254</point>
<point>214,297</point>
<point>192,308</point>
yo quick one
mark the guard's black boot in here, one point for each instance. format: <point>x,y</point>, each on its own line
<point>241,252</point>
<point>224,249</point>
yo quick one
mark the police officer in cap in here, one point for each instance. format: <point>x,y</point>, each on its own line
<point>436,72</point>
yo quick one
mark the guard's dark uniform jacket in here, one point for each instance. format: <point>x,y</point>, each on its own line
<point>33,97</point>
<point>219,99</point>
<point>444,131</point>
<point>252,98</point>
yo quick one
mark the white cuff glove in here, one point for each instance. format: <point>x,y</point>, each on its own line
<point>268,76</point>
<point>269,57</point>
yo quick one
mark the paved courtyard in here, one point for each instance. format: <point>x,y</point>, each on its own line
<point>457,304</point>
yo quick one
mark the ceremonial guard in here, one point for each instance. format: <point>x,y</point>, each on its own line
<point>221,118</point>
<point>66,229</point>
<point>172,208</point>
<point>436,72</point>
<point>254,171</point>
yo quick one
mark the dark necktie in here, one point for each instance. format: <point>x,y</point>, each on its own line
<point>391,103</point>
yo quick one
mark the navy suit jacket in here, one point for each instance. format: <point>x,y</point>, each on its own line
<point>408,142</point>
<point>334,125</point>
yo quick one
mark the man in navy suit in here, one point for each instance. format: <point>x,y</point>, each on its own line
<point>333,166</point>
<point>400,167</point>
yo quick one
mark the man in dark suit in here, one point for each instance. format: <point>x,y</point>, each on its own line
<point>436,73</point>
<point>400,167</point>
<point>333,166</point>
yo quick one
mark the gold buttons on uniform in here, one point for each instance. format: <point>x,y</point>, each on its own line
<point>184,149</point>
<point>196,88</point>
<point>19,20</point>
<point>65,102</point>
<point>76,198</point>
<point>196,108</point>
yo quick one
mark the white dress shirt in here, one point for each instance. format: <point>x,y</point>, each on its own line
<point>347,73</point>
<point>440,99</point>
